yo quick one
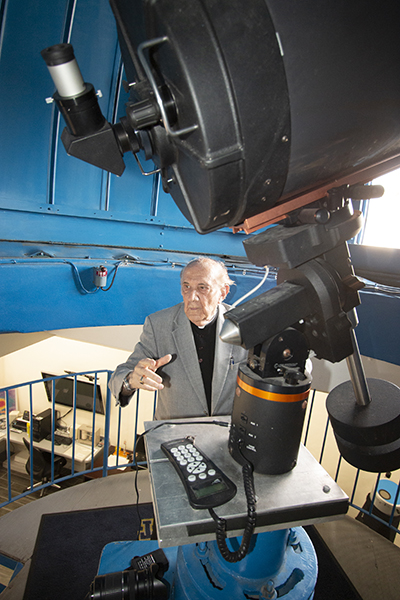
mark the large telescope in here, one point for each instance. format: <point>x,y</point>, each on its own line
<point>257,112</point>
<point>249,106</point>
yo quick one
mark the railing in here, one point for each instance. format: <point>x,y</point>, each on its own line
<point>115,450</point>
<point>360,486</point>
<point>119,425</point>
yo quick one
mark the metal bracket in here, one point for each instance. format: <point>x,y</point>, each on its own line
<point>143,172</point>
<point>40,254</point>
<point>141,48</point>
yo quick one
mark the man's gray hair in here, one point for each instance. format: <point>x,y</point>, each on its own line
<point>220,269</point>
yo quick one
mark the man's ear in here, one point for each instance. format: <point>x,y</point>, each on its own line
<point>224,292</point>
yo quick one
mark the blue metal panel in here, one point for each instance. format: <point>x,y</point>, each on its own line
<point>131,194</point>
<point>55,224</point>
<point>39,293</point>
<point>35,167</point>
<point>24,117</point>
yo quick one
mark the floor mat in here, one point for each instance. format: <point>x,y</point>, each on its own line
<point>69,545</point>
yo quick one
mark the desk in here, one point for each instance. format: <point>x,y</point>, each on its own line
<point>112,459</point>
<point>82,456</point>
<point>303,496</point>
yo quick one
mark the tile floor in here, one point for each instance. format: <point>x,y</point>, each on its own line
<point>19,483</point>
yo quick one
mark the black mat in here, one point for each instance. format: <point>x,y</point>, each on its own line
<point>69,545</point>
<point>332,581</point>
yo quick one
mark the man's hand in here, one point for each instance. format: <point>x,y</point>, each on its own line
<point>144,376</point>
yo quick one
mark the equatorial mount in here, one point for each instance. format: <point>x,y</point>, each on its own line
<point>316,296</point>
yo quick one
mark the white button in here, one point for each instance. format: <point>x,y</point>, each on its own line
<point>200,468</point>
<point>211,472</point>
<point>183,462</point>
<point>192,478</point>
<point>202,476</point>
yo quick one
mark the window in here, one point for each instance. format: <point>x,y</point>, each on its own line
<point>383,214</point>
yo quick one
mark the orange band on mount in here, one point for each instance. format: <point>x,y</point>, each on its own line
<point>271,395</point>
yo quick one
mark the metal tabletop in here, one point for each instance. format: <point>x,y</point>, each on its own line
<point>304,495</point>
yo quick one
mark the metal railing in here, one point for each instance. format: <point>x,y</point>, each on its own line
<point>360,486</point>
<point>103,455</point>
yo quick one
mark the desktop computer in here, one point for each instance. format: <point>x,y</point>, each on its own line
<point>41,425</point>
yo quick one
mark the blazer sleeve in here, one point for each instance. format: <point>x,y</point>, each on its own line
<point>145,348</point>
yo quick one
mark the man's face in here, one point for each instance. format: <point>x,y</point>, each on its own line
<point>201,293</point>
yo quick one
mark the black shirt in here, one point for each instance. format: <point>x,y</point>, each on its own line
<point>204,339</point>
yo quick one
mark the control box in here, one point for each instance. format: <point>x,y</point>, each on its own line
<point>84,435</point>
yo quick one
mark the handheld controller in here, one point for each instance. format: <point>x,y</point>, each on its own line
<point>205,484</point>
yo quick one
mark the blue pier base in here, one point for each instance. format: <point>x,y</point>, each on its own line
<point>279,564</point>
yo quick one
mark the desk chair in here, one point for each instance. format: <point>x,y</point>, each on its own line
<point>41,462</point>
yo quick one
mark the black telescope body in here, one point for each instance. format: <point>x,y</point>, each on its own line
<point>268,100</point>
<point>245,106</point>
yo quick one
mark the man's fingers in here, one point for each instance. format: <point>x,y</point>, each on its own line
<point>149,380</point>
<point>144,374</point>
<point>164,360</point>
<point>147,363</point>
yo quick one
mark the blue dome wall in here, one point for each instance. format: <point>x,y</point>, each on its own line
<point>60,217</point>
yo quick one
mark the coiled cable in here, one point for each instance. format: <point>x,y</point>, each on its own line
<point>239,554</point>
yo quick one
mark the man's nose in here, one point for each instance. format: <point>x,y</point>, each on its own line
<point>193,295</point>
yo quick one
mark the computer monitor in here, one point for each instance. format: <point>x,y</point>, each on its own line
<point>64,392</point>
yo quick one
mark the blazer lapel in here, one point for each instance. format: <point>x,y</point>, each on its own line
<point>223,358</point>
<point>183,337</point>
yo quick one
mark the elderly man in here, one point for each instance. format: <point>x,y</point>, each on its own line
<point>180,353</point>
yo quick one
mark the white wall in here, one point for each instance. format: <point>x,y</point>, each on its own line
<point>326,375</point>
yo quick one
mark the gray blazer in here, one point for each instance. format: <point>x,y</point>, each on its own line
<point>169,331</point>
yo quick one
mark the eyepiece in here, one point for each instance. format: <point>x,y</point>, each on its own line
<point>58,54</point>
<point>64,70</point>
